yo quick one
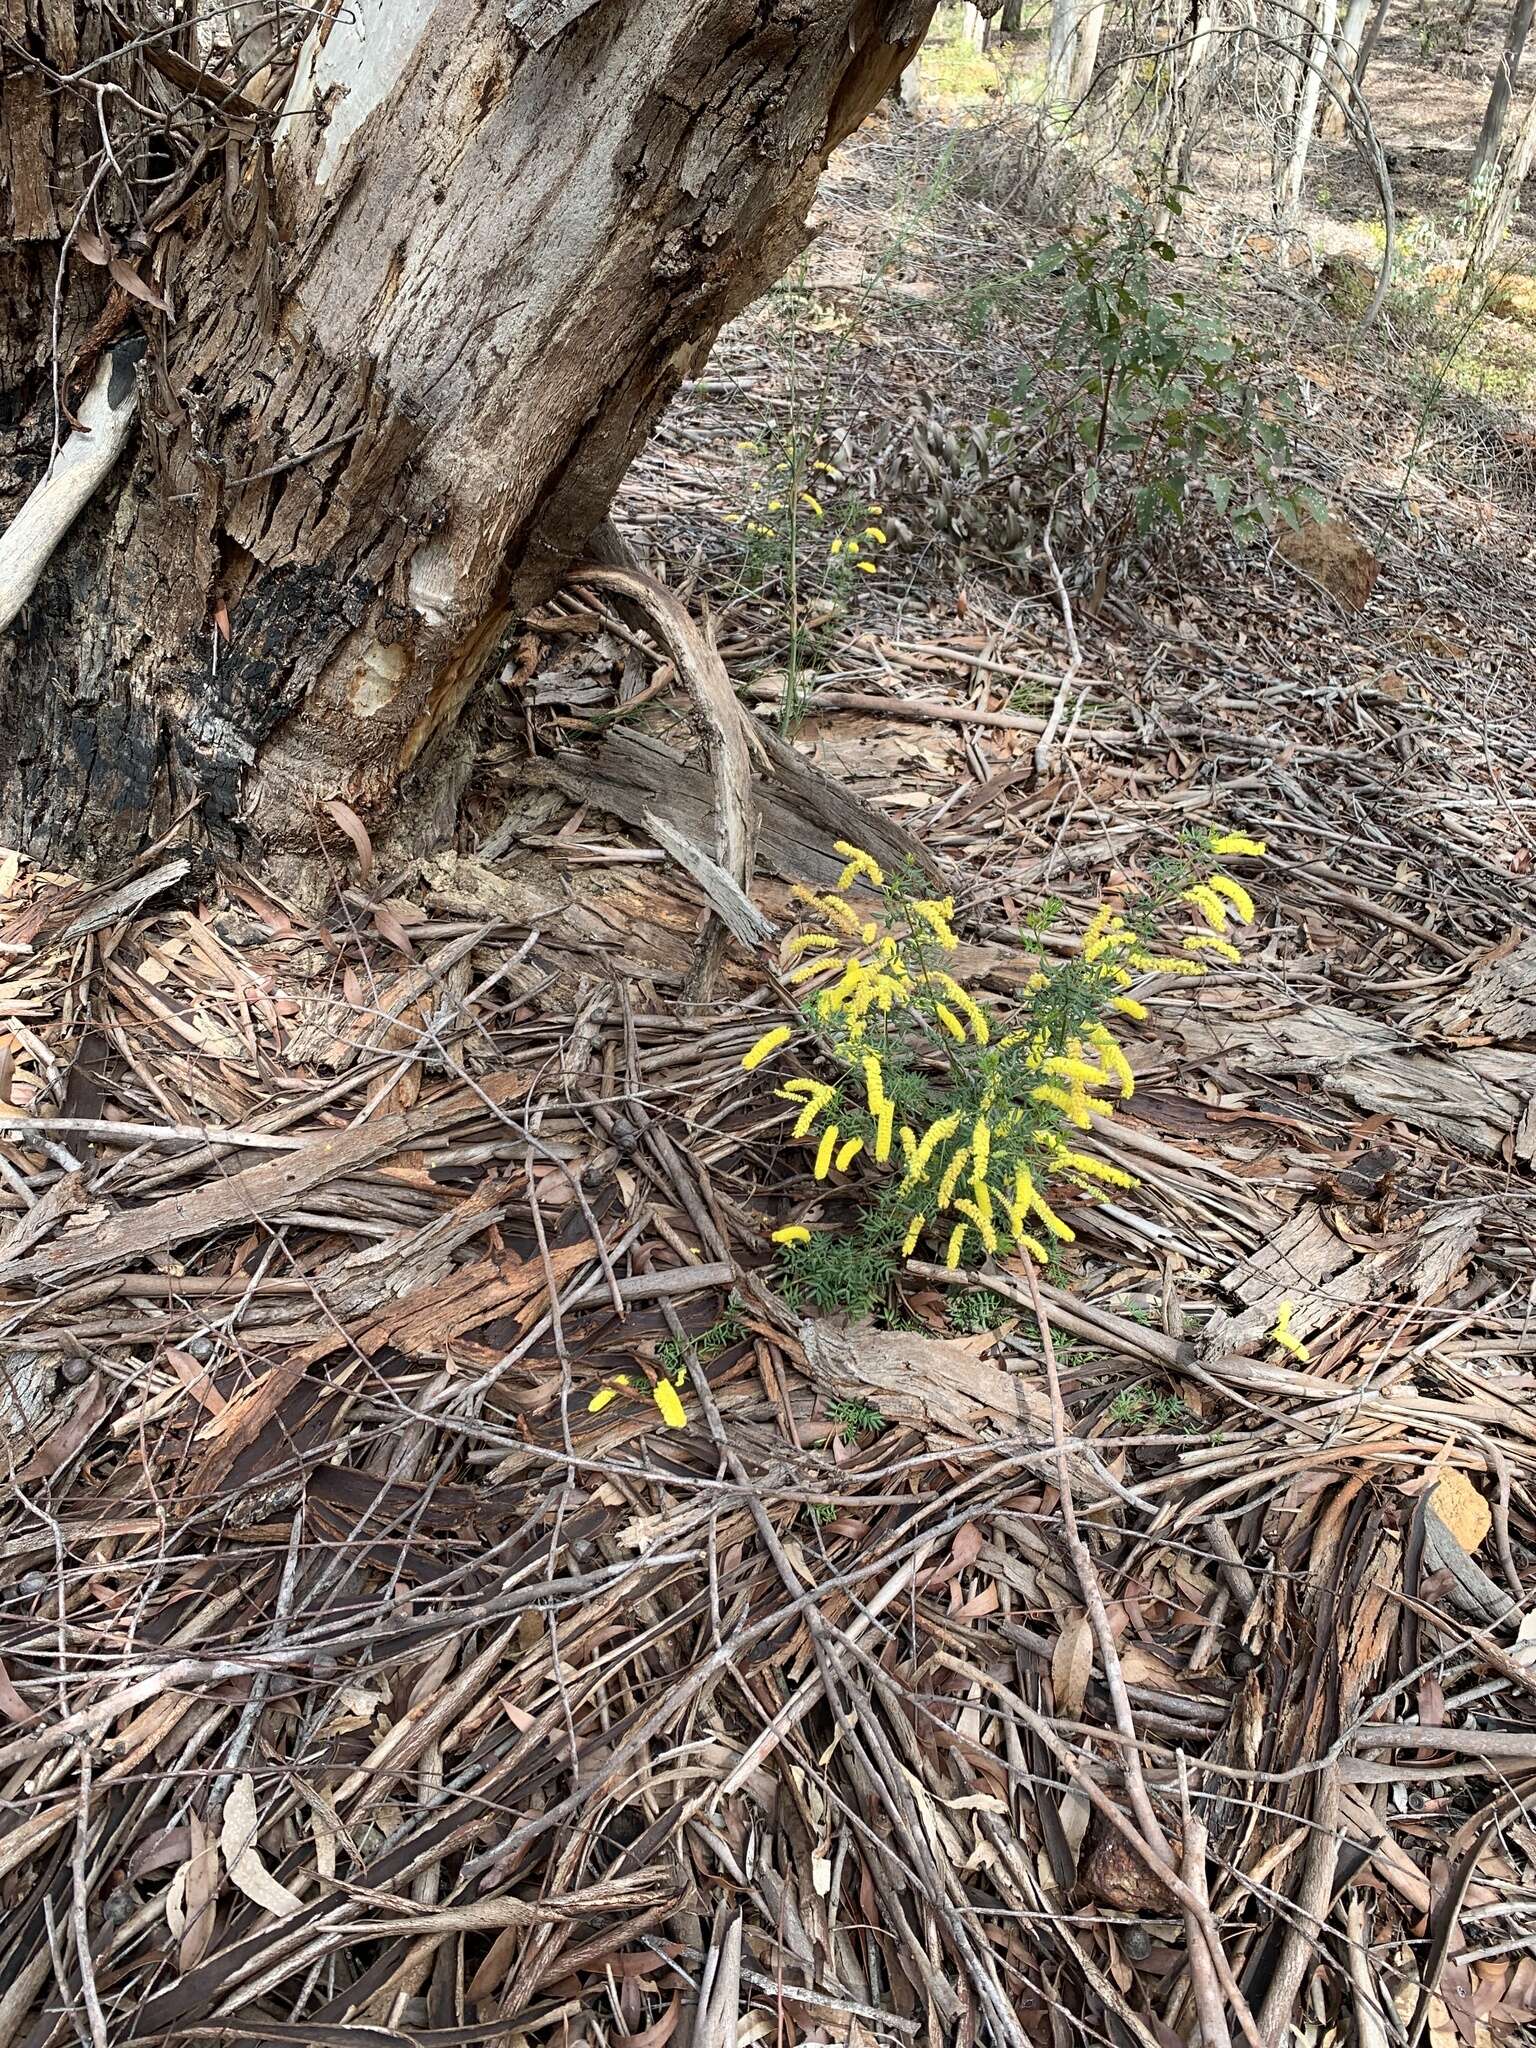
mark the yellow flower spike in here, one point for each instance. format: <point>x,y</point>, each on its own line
<point>1236,895</point>
<point>767,1046</point>
<point>981,1148</point>
<point>1098,924</point>
<point>907,1138</point>
<point>837,912</point>
<point>875,509</point>
<point>805,1122</point>
<point>1094,1169</point>
<point>814,503</point>
<point>836,548</point>
<point>825,1150</point>
<point>914,1232</point>
<point>869,568</point>
<point>1209,903</point>
<point>950,1021</point>
<point>1035,1248</point>
<point>1052,1221</point>
<point>984,1229</point>
<point>1129,1007</point>
<point>869,932</point>
<point>952,1254</point>
<point>775,504</point>
<point>968,1007</point>
<point>809,942</point>
<point>1237,842</point>
<point>668,1401</point>
<point>937,913</point>
<point>1115,1062</point>
<point>1207,942</point>
<point>1058,1098</point>
<point>601,1399</point>
<point>847,1153</point>
<point>1283,1335</point>
<point>832,999</point>
<point>874,1086</point>
<point>883,1124</point>
<point>952,1174</point>
<point>1166,963</point>
<point>810,970</point>
<point>1065,1068</point>
<point>937,1133</point>
<point>873,533</point>
<point>859,863</point>
<point>792,1233</point>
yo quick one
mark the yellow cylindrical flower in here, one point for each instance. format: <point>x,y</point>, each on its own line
<point>956,1243</point>
<point>914,1232</point>
<point>1237,842</point>
<point>950,1021</point>
<point>665,1395</point>
<point>883,1124</point>
<point>825,1150</point>
<point>849,1152</point>
<point>1235,894</point>
<point>981,1148</point>
<point>792,1233</point>
<point>952,1174</point>
<point>766,1046</point>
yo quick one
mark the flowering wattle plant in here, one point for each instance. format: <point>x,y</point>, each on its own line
<point>961,1124</point>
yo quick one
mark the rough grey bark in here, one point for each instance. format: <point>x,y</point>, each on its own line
<point>420,327</point>
<point>1491,133</point>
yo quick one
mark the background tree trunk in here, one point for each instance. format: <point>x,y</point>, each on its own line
<point>419,329</point>
<point>1085,54</point>
<point>1492,132</point>
<point>1368,44</point>
<point>1314,55</point>
<point>1062,47</point>
<point>1346,53</point>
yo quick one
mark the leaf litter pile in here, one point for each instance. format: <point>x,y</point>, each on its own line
<point>1118,1676</point>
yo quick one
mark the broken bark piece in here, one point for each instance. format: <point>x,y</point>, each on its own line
<point>1476,1100</point>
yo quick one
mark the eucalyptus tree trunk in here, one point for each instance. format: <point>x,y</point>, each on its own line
<point>1346,55</point>
<point>1369,41</point>
<point>408,316</point>
<point>1315,52</point>
<point>1492,132</point>
<point>1062,48</point>
<point>1085,54</point>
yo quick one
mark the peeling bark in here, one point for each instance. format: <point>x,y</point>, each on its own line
<point>420,327</point>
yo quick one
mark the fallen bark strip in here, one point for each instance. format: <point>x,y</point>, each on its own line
<point>258,1191</point>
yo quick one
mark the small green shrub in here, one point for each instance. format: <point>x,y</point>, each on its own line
<point>979,1309</point>
<point>1138,412</point>
<point>946,1121</point>
<point>853,1419</point>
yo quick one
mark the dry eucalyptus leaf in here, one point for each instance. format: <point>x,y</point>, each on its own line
<point>242,1858</point>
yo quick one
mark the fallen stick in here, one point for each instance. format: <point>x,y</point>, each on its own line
<point>73,479</point>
